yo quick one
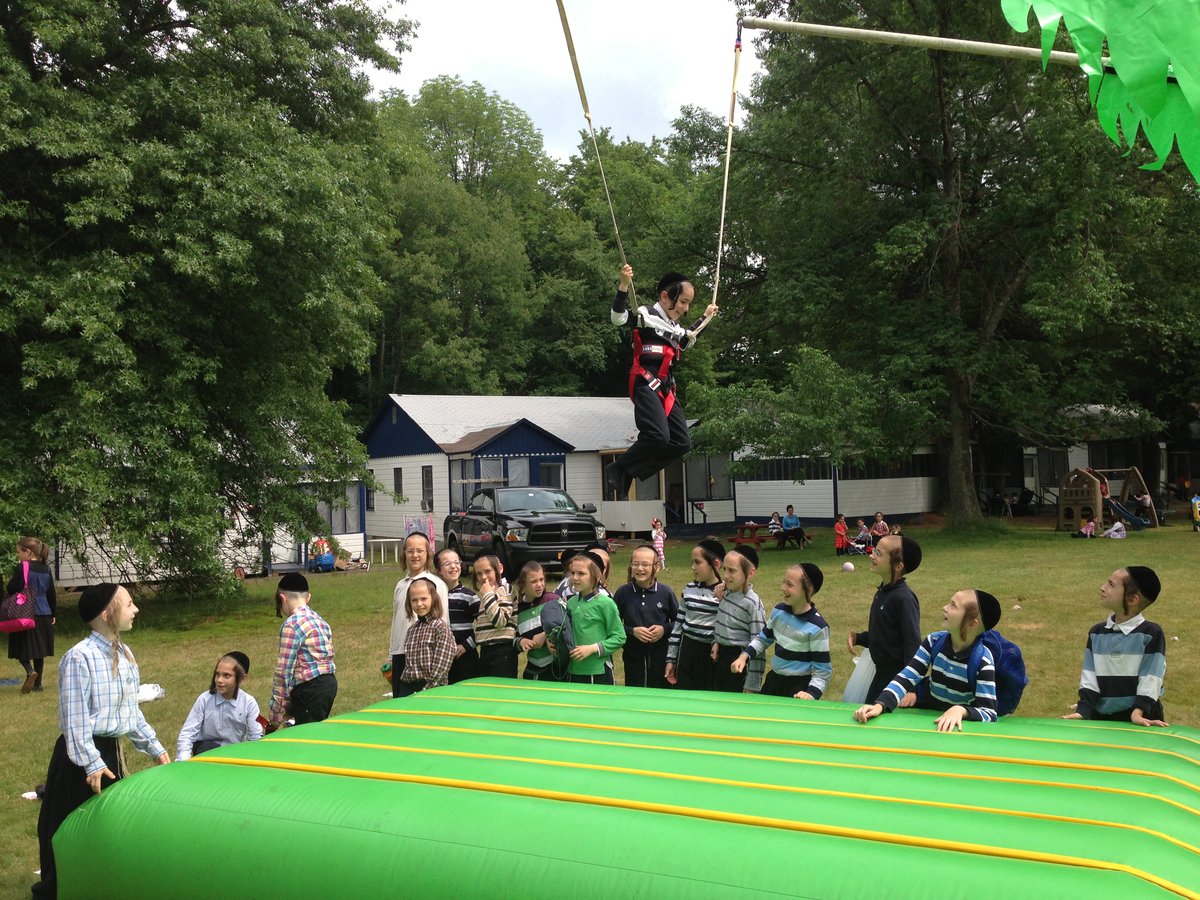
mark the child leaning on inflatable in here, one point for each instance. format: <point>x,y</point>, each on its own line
<point>953,670</point>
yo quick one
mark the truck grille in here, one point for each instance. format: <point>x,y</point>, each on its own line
<point>553,535</point>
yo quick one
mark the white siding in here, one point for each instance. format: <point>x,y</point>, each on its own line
<point>858,498</point>
<point>758,499</point>
<point>581,478</point>
<point>387,518</point>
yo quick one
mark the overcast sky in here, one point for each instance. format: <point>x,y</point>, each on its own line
<point>641,60</point>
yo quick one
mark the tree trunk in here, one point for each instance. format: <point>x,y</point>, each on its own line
<point>962,504</point>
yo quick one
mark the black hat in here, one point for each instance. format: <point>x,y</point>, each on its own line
<point>293,583</point>
<point>713,548</point>
<point>95,599</point>
<point>1145,582</point>
<point>814,575</point>
<point>242,659</point>
<point>597,545</point>
<point>989,609</point>
<point>594,557</point>
<point>910,554</point>
<point>748,551</point>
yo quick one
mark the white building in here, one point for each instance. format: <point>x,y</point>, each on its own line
<point>433,451</point>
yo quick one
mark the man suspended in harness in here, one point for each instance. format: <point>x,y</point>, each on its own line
<point>658,339</point>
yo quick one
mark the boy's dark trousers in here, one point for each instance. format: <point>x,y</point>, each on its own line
<point>776,685</point>
<point>724,679</point>
<point>661,438</point>
<point>694,668</point>
<point>498,659</point>
<point>67,790</point>
<point>645,664</point>
<point>312,701</point>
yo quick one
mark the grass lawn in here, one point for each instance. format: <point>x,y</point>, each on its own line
<point>1054,580</point>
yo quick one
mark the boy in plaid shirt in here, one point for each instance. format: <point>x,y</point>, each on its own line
<point>304,682</point>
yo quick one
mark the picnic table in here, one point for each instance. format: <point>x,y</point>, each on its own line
<point>747,533</point>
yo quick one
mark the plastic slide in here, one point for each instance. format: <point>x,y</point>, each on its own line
<point>1137,523</point>
<point>499,787</point>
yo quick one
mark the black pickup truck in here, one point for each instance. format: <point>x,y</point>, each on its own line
<point>518,524</point>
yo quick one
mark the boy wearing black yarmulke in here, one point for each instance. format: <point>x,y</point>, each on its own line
<point>1125,658</point>
<point>304,683</point>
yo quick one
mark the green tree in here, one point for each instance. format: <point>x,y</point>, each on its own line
<point>182,246</point>
<point>950,231</point>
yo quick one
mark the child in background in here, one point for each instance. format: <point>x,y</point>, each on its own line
<point>740,618</point>
<point>863,537</point>
<point>1125,659</point>
<point>801,666</point>
<point>690,665</point>
<point>648,610</point>
<point>224,714</point>
<point>463,608</point>
<point>495,632</point>
<point>659,533</point>
<point>531,594</point>
<point>775,527</point>
<point>595,621</point>
<point>30,648</point>
<point>1116,532</point>
<point>944,661</point>
<point>429,644</point>
<point>879,529</point>
<point>841,544</point>
<point>1088,530</point>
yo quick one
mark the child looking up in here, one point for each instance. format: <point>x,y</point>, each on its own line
<point>1125,659</point>
<point>463,608</point>
<point>690,664</point>
<point>495,632</point>
<point>740,617</point>
<point>801,666</point>
<point>224,714</point>
<point>596,623</point>
<point>648,610</point>
<point>429,644</point>
<point>531,594</point>
<point>955,675</point>
<point>894,627</point>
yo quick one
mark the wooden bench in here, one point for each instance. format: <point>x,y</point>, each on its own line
<point>748,534</point>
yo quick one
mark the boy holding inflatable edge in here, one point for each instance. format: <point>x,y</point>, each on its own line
<point>1125,658</point>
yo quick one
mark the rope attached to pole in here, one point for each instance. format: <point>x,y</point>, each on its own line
<point>737,56</point>
<point>587,114</point>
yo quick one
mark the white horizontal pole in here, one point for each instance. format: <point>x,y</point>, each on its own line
<point>925,42</point>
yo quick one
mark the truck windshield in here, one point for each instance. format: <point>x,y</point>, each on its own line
<point>533,500</point>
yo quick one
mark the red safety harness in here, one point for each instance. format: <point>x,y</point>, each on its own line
<point>661,382</point>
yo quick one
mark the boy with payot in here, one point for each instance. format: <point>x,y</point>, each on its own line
<point>1125,658</point>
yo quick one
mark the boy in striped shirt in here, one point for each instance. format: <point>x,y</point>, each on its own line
<point>801,666</point>
<point>957,667</point>
<point>1125,659</point>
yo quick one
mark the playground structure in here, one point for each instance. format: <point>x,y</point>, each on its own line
<point>1085,492</point>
